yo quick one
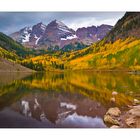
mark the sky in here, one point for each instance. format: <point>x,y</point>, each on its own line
<point>14,21</point>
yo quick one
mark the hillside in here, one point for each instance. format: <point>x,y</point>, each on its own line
<point>8,55</point>
<point>120,55</point>
<point>11,54</point>
<point>119,50</point>
<point>8,66</point>
<point>127,26</point>
<point>10,45</point>
<point>117,53</point>
<point>9,62</point>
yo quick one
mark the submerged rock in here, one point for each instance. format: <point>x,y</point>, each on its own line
<point>115,111</point>
<point>109,119</point>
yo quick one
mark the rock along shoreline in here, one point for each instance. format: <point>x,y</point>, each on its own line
<point>114,118</point>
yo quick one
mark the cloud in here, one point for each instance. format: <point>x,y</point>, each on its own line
<point>13,21</point>
<point>91,21</point>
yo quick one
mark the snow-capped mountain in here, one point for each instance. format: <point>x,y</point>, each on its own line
<point>23,35</point>
<point>30,36</point>
<point>56,33</point>
<point>38,31</point>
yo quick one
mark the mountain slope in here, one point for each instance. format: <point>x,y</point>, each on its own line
<point>8,55</point>
<point>119,50</point>
<point>127,26</point>
<point>8,66</point>
<point>10,45</point>
<point>11,53</point>
<point>9,62</point>
<point>120,55</point>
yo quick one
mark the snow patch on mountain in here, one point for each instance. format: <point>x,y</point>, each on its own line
<point>69,37</point>
<point>25,34</point>
<point>63,29</point>
<point>25,38</point>
<point>37,40</point>
<point>68,105</point>
<point>61,24</point>
<point>43,27</point>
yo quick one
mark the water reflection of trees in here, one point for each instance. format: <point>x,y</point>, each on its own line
<point>96,86</point>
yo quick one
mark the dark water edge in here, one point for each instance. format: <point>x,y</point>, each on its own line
<point>76,99</point>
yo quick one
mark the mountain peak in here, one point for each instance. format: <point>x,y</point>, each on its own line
<point>40,25</point>
<point>26,29</point>
<point>57,23</point>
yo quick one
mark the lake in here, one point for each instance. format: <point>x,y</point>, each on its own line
<point>76,99</point>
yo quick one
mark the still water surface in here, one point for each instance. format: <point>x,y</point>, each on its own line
<point>67,100</point>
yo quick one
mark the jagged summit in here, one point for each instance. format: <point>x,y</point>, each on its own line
<point>57,22</point>
<point>56,33</point>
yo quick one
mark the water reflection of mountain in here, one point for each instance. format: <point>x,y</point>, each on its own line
<point>61,110</point>
<point>49,97</point>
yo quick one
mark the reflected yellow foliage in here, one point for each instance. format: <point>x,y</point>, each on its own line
<point>94,85</point>
<point>97,86</point>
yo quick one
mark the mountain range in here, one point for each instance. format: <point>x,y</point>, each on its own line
<point>57,34</point>
<point>114,49</point>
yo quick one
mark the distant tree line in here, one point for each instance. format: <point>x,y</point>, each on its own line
<point>57,66</point>
<point>33,65</point>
